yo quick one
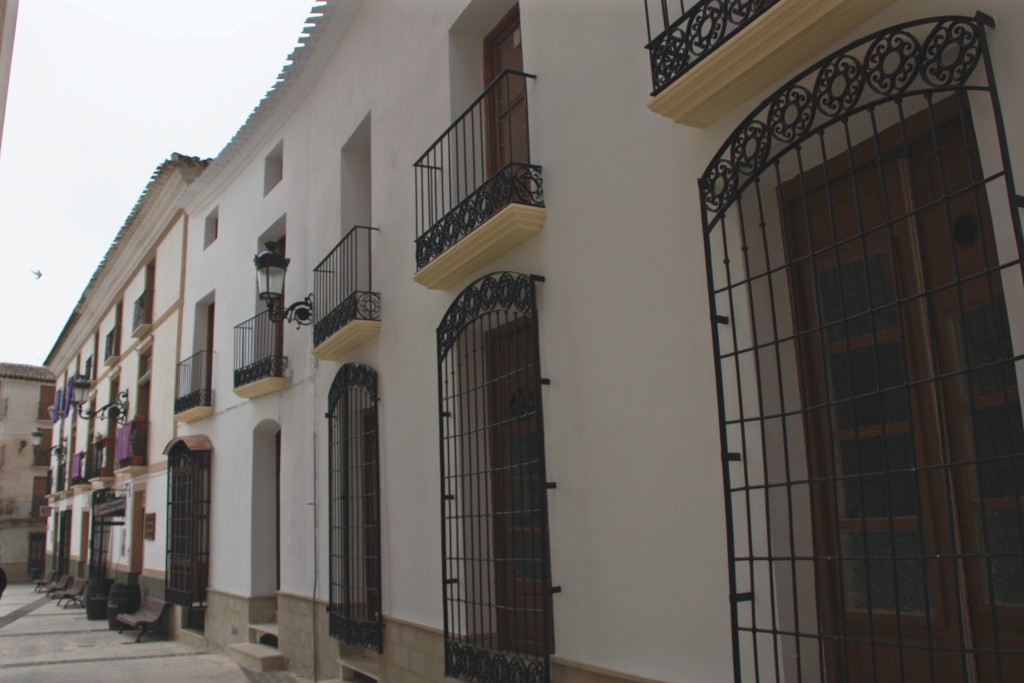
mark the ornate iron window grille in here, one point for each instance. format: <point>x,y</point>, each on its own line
<point>343,284</point>
<point>355,611</point>
<point>188,525</point>
<point>863,250</point>
<point>193,383</point>
<point>258,343</point>
<point>689,35</point>
<point>460,182</point>
<point>494,520</point>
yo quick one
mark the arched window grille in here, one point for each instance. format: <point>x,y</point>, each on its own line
<point>355,608</point>
<point>497,587</point>
<point>862,232</point>
<point>188,525</point>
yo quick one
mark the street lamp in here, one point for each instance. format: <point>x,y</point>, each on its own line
<point>271,266</point>
<point>58,450</point>
<point>115,410</point>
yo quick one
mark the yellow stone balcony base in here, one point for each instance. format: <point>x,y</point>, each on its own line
<point>342,342</point>
<point>770,48</point>
<point>496,236</point>
<point>193,414</point>
<point>260,387</point>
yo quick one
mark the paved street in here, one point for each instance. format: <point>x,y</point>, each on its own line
<point>43,643</point>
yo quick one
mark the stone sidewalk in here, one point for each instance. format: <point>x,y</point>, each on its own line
<point>43,643</point>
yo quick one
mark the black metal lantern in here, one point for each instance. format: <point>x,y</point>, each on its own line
<point>58,450</point>
<point>271,266</point>
<point>115,410</point>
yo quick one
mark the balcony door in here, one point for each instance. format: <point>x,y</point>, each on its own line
<point>508,134</point>
<point>912,412</point>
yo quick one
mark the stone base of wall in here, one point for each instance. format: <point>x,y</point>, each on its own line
<point>228,616</point>
<point>301,623</point>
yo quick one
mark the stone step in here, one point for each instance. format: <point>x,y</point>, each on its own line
<point>264,634</point>
<point>256,657</point>
<point>350,666</point>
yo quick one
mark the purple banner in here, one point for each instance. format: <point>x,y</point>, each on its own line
<point>124,442</point>
<point>58,404</point>
<point>69,392</point>
<point>76,466</point>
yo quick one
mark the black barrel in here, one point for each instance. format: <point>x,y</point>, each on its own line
<point>122,599</point>
<point>95,598</point>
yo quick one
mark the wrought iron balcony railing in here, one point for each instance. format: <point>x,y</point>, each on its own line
<point>193,383</point>
<point>478,166</point>
<point>101,460</point>
<point>258,343</point>
<point>130,446</point>
<point>14,508</point>
<point>343,284</point>
<point>142,311</point>
<point>680,37</point>
<point>112,344</point>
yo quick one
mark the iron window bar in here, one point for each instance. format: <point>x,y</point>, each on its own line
<point>343,284</point>
<point>870,421</point>
<point>355,609</point>
<point>479,165</point>
<point>687,36</point>
<point>193,383</point>
<point>494,516</point>
<point>258,343</point>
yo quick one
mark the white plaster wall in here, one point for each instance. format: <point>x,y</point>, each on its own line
<point>637,530</point>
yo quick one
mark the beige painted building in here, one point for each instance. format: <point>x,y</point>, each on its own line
<point>114,365</point>
<point>26,397</point>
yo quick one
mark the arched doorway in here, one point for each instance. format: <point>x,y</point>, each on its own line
<point>862,240</point>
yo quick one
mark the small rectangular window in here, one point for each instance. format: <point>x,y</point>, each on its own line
<point>212,227</point>
<point>273,168</point>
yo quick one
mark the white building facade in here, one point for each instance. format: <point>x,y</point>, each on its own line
<point>114,363</point>
<point>715,384</point>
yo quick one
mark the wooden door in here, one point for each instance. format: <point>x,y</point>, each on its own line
<point>522,588</point>
<point>508,134</point>
<point>891,304</point>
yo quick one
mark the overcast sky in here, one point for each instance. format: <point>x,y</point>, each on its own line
<point>102,92</point>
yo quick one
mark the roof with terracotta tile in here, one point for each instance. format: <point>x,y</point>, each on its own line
<point>29,373</point>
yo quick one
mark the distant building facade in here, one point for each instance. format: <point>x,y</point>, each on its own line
<point>26,397</point>
<point>114,366</point>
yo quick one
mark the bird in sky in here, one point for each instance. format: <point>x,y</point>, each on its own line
<point>37,273</point>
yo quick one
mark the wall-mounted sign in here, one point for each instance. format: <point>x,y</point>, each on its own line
<point>149,526</point>
<point>44,510</point>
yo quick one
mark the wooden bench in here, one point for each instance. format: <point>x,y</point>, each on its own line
<point>73,595</point>
<point>62,583</point>
<point>145,618</point>
<point>43,584</point>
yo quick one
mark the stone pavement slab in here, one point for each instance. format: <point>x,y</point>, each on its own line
<point>43,643</point>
